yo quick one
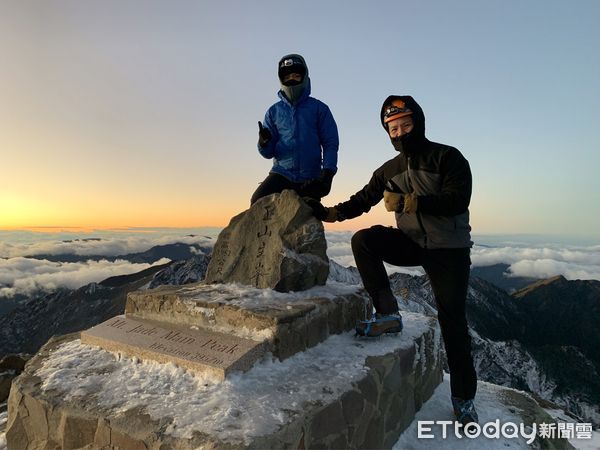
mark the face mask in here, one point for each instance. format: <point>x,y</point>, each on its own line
<point>407,143</point>
<point>292,82</point>
<point>294,93</point>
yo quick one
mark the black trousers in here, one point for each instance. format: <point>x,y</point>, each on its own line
<point>274,184</point>
<point>448,271</point>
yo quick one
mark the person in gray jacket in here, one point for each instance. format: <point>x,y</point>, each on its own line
<point>428,186</point>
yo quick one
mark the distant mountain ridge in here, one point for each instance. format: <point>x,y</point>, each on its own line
<point>30,325</point>
<point>499,275</point>
<point>174,252</point>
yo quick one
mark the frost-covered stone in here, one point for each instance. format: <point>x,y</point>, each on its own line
<point>277,244</point>
<point>80,395</point>
<point>287,322</point>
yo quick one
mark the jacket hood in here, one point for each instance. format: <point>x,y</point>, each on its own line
<point>293,60</point>
<point>293,63</point>
<point>418,116</point>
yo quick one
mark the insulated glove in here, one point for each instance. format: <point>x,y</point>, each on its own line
<point>321,212</point>
<point>410,203</point>
<point>318,187</point>
<point>393,201</point>
<point>264,135</point>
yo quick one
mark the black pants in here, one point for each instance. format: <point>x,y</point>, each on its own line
<point>448,271</point>
<point>274,184</point>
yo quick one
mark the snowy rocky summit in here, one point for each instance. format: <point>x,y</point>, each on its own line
<point>342,393</point>
<point>314,385</point>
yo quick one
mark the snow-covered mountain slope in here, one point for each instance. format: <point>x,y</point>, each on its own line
<point>493,403</point>
<point>544,339</point>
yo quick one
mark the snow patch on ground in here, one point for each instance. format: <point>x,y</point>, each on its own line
<point>438,408</point>
<point>581,444</point>
<point>490,407</point>
<point>235,410</point>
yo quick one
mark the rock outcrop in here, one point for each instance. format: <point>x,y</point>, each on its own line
<point>10,367</point>
<point>277,244</point>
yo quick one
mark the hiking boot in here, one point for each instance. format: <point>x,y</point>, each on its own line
<point>464,410</point>
<point>380,324</point>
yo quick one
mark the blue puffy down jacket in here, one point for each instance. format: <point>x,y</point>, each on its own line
<point>305,138</point>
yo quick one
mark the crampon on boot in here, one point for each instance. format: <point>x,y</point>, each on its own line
<point>464,410</point>
<point>380,324</point>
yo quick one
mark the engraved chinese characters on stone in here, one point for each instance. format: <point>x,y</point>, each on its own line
<point>276,244</point>
<point>260,270</point>
<point>202,351</point>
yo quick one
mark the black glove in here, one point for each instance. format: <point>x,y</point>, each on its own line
<point>319,187</point>
<point>264,135</point>
<point>321,212</point>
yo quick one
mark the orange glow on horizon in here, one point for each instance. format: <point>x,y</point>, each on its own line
<point>76,214</point>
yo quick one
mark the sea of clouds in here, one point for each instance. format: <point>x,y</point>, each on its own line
<point>27,276</point>
<point>574,262</point>
<point>22,274</point>
<point>526,257</point>
<point>105,243</point>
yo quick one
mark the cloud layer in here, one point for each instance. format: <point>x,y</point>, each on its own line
<point>21,275</point>
<point>120,244</point>
<point>28,276</point>
<point>572,262</point>
<point>525,259</point>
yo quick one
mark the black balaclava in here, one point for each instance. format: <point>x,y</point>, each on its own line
<point>410,142</point>
<point>293,63</point>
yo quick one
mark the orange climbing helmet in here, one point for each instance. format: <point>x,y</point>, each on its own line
<point>394,110</point>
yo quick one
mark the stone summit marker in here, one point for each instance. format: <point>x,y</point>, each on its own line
<point>277,244</point>
<point>201,351</point>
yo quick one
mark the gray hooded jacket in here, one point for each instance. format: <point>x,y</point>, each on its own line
<point>437,173</point>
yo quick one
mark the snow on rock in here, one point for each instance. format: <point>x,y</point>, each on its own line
<point>291,322</point>
<point>245,405</point>
<point>492,403</point>
<point>248,297</point>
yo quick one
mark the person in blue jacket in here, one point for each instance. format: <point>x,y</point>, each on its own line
<point>300,135</point>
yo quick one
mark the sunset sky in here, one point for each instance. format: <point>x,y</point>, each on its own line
<point>144,113</point>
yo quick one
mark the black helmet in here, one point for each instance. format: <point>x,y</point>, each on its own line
<point>292,63</point>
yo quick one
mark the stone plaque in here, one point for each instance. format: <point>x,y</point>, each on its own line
<point>201,351</point>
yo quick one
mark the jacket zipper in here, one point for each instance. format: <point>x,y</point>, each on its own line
<point>418,213</point>
<point>296,156</point>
